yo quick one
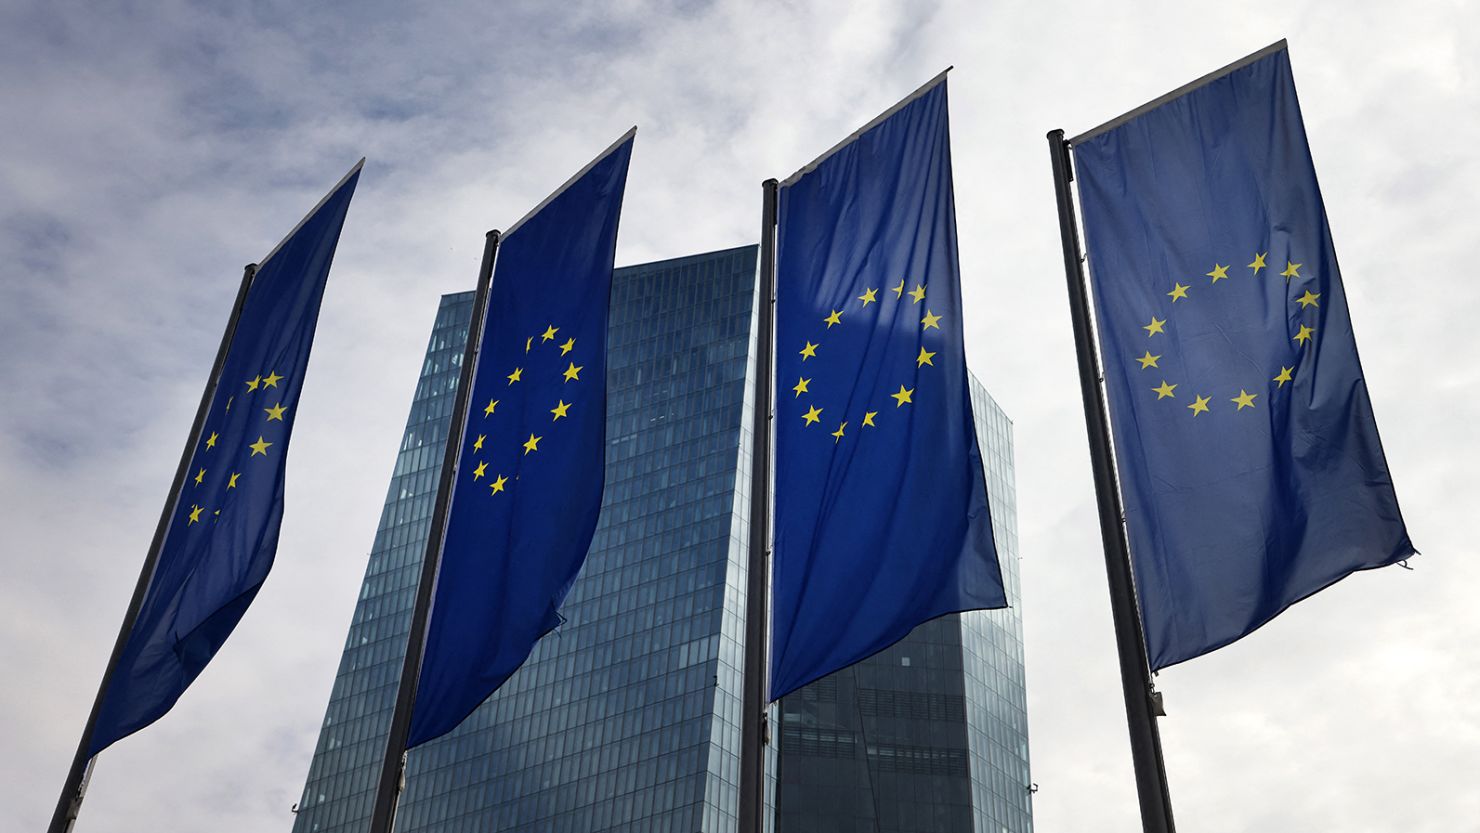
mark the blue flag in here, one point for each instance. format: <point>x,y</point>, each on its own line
<point>221,540</point>
<point>1249,460</point>
<point>881,506</point>
<point>530,472</point>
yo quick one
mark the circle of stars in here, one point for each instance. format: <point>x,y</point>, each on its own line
<point>209,457</point>
<point>812,415</point>
<point>1202,404</point>
<point>500,482</point>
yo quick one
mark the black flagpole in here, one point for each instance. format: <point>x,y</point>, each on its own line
<point>70,801</point>
<point>754,731</point>
<point>393,766</point>
<point>1141,702</point>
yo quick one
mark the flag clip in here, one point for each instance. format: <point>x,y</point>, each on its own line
<point>1158,704</point>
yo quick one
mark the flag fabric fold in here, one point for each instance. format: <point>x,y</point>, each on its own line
<point>222,539</point>
<point>1248,455</point>
<point>881,518</point>
<point>528,486</point>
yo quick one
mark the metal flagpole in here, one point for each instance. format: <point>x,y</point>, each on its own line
<point>1142,703</point>
<point>393,767</point>
<point>69,803</point>
<point>754,731</point>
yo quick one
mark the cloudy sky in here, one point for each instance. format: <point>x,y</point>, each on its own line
<point>152,149</point>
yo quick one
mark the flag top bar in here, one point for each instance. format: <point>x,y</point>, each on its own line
<point>332,191</point>
<point>811,166</point>
<point>1180,91</point>
<point>569,182</point>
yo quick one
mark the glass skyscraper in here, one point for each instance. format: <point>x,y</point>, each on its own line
<point>626,718</point>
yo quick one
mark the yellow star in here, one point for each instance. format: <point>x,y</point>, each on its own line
<point>1165,391</point>
<point>918,293</point>
<point>1218,273</point>
<point>217,513</point>
<point>532,444</point>
<point>868,418</point>
<point>809,352</point>
<point>211,440</point>
<point>560,409</point>
<point>812,415</point>
<point>253,383</point>
<point>835,318</point>
<point>1178,292</point>
<point>574,372</point>
<point>498,485</point>
<point>478,443</point>
<point>1305,333</point>
<point>549,334</point>
<point>903,396</point>
<point>481,470</point>
<point>1244,399</point>
<point>194,514</point>
<point>229,400</point>
<point>1155,326</point>
<point>924,358</point>
<point>1308,299</point>
<point>259,447</point>
<point>492,403</point>
<point>1148,360</point>
<point>1258,262</point>
<point>801,386</point>
<point>899,290</point>
<point>528,343</point>
<point>231,484</point>
<point>271,380</point>
<point>1283,377</point>
<point>838,434</point>
<point>199,476</point>
<point>516,376</point>
<point>1292,270</point>
<point>931,320</point>
<point>869,296</point>
<point>1199,404</point>
<point>569,345</point>
<point>275,412</point>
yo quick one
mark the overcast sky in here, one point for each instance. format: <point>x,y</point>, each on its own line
<point>149,153</point>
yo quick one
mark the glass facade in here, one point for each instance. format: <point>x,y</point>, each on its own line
<point>626,718</point>
<point>931,734</point>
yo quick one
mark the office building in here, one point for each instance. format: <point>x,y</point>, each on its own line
<point>626,718</point>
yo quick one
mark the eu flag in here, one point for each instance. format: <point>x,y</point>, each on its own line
<point>1249,460</point>
<point>220,543</point>
<point>881,506</point>
<point>529,478</point>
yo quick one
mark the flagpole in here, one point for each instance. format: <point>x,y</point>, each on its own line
<point>754,731</point>
<point>69,803</point>
<point>393,766</point>
<point>1141,701</point>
